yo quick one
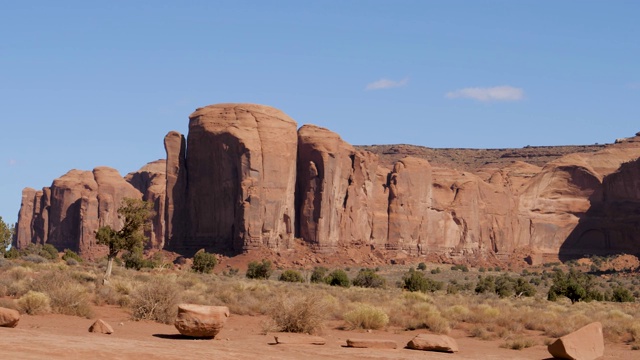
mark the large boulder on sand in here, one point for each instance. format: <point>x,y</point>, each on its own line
<point>201,321</point>
<point>9,317</point>
<point>431,342</point>
<point>585,343</point>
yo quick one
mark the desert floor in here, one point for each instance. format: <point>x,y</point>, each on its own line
<point>67,337</point>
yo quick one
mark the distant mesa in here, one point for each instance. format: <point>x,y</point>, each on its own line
<point>246,178</point>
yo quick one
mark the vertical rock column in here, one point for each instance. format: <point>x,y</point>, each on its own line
<point>175,214</point>
<point>241,167</point>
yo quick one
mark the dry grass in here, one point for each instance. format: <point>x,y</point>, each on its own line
<point>365,316</point>
<point>153,295</point>
<point>298,313</point>
<point>34,303</point>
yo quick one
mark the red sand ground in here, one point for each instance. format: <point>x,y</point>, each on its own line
<point>67,337</point>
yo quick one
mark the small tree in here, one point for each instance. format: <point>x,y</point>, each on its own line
<point>130,237</point>
<point>6,235</point>
<point>319,274</point>
<point>291,276</point>
<point>369,279</point>
<point>338,277</point>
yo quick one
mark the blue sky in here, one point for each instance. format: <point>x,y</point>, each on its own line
<point>91,83</point>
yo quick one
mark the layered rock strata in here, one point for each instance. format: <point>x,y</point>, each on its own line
<point>245,178</point>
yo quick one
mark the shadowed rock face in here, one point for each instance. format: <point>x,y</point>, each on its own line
<point>151,181</point>
<point>67,214</point>
<point>240,174</point>
<point>245,179</point>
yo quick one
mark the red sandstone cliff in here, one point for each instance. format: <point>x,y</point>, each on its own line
<point>245,178</point>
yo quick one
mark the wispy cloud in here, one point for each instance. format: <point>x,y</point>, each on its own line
<point>634,86</point>
<point>386,84</point>
<point>496,93</point>
<point>12,162</point>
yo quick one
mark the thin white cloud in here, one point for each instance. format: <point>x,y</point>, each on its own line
<point>386,84</point>
<point>12,162</point>
<point>496,93</point>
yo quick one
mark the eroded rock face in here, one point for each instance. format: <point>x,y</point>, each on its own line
<point>246,179</point>
<point>151,181</point>
<point>241,165</point>
<point>67,214</point>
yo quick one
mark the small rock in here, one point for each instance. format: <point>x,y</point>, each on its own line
<point>297,339</point>
<point>372,344</point>
<point>585,343</point>
<point>430,342</point>
<point>101,326</point>
<point>9,317</point>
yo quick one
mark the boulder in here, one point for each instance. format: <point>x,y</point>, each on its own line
<point>431,342</point>
<point>9,317</point>
<point>372,343</point>
<point>101,326</point>
<point>585,343</point>
<point>298,339</point>
<point>201,321</point>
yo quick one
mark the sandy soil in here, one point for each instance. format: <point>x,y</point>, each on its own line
<point>66,337</point>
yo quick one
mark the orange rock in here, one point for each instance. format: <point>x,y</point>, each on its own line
<point>431,342</point>
<point>372,343</point>
<point>585,343</point>
<point>201,321</point>
<point>298,339</point>
<point>101,326</point>
<point>9,317</point>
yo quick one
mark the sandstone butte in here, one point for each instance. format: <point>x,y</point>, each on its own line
<point>247,178</point>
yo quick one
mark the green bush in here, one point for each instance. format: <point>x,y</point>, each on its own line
<point>338,277</point>
<point>260,270</point>
<point>422,266</point>
<point>291,276</point>
<point>69,254</point>
<point>49,252</point>
<point>416,281</point>
<point>621,294</point>
<point>436,271</point>
<point>318,274</point>
<point>574,285</point>
<point>204,262</point>
<point>369,279</point>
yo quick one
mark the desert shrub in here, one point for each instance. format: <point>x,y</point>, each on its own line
<point>135,260</point>
<point>318,274</point>
<point>12,253</point>
<point>291,276</point>
<point>436,271</point>
<point>299,313</point>
<point>369,279</point>
<point>574,285</point>
<point>34,303</point>
<point>416,281</point>
<point>49,252</point>
<point>9,304</point>
<point>621,294</point>
<point>426,316</point>
<point>71,299</point>
<point>365,316</point>
<point>460,267</point>
<point>156,300</point>
<point>260,270</point>
<point>71,255</point>
<point>34,258</point>
<point>518,344</point>
<point>422,266</point>
<point>338,277</point>
<point>204,262</point>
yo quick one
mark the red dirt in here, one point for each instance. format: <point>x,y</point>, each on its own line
<point>67,337</point>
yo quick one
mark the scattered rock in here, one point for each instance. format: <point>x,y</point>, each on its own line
<point>201,321</point>
<point>298,339</point>
<point>9,317</point>
<point>430,342</point>
<point>585,343</point>
<point>372,343</point>
<point>101,326</point>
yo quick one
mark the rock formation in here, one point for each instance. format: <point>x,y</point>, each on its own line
<point>67,214</point>
<point>586,343</point>
<point>245,178</point>
<point>151,181</point>
<point>238,191</point>
<point>201,321</point>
